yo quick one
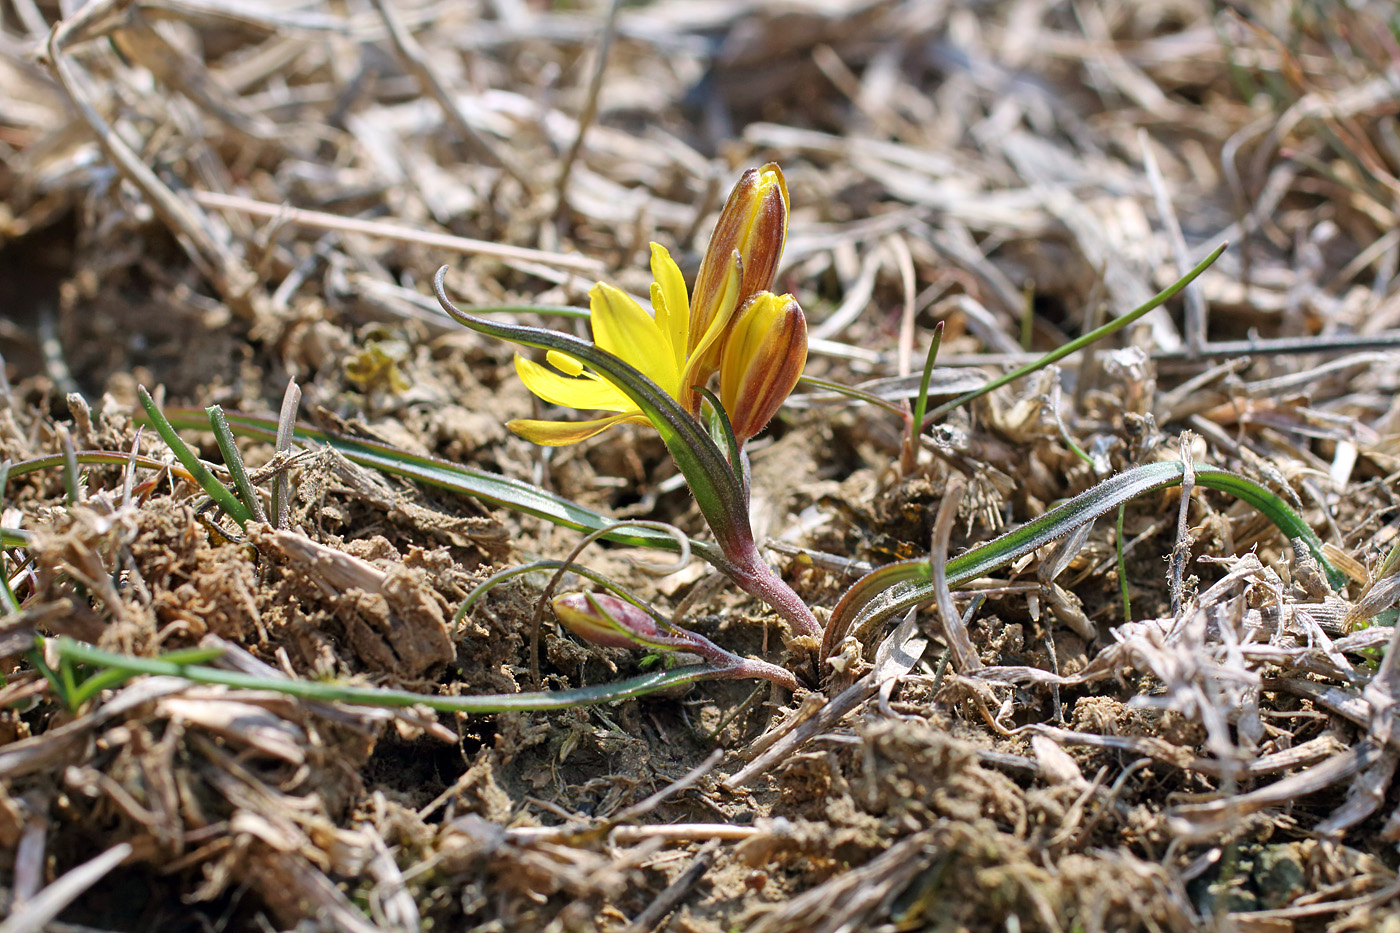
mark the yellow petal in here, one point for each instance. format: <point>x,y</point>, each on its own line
<point>672,303</point>
<point>588,392</point>
<point>563,362</point>
<point>704,359</point>
<point>562,433</point>
<point>622,328</point>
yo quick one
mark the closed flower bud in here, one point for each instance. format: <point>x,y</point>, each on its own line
<point>610,622</point>
<point>752,225</point>
<point>762,360</point>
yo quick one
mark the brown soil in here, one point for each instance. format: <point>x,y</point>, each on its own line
<point>1017,171</point>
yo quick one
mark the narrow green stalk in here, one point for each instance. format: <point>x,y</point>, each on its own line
<point>722,431</point>
<point>110,677</point>
<point>510,573</point>
<point>909,456</point>
<point>1079,343</point>
<point>921,401</point>
<point>859,394</point>
<point>233,459</point>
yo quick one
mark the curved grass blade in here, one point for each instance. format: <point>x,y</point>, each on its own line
<point>488,487</point>
<point>1078,343</point>
<point>486,704</point>
<point>855,392</point>
<point>109,677</point>
<point>711,480</point>
<point>510,573</point>
<point>895,588</point>
<point>217,491</point>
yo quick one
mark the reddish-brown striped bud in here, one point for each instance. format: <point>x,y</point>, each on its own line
<point>763,357</point>
<point>752,225</point>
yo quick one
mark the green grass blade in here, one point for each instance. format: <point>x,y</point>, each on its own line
<point>486,704</point>
<point>70,466</point>
<point>488,487</point>
<point>7,595</point>
<point>895,588</point>
<point>215,490</point>
<point>1079,343</point>
<point>109,677</point>
<point>510,573</point>
<point>234,460</point>
<point>855,392</point>
<point>921,401</point>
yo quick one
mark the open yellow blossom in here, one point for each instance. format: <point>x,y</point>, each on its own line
<point>678,348</point>
<point>656,346</point>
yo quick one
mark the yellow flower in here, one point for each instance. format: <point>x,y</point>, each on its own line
<point>657,346</point>
<point>763,357</point>
<point>679,348</point>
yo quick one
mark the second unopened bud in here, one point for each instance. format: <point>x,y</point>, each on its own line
<point>762,360</point>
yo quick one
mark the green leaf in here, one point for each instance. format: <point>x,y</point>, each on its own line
<point>1078,343</point>
<point>895,588</point>
<point>859,393</point>
<point>724,428</point>
<point>234,461</point>
<point>488,487</point>
<point>921,401</point>
<point>510,573</point>
<point>123,667</point>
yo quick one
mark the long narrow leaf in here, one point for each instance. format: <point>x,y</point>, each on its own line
<point>233,459</point>
<point>895,588</point>
<point>485,704</point>
<point>488,487</point>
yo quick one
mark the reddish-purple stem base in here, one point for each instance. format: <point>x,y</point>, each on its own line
<point>754,576</point>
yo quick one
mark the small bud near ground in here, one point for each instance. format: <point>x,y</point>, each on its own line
<point>610,622</point>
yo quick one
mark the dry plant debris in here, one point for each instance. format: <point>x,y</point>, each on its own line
<point>220,198</point>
